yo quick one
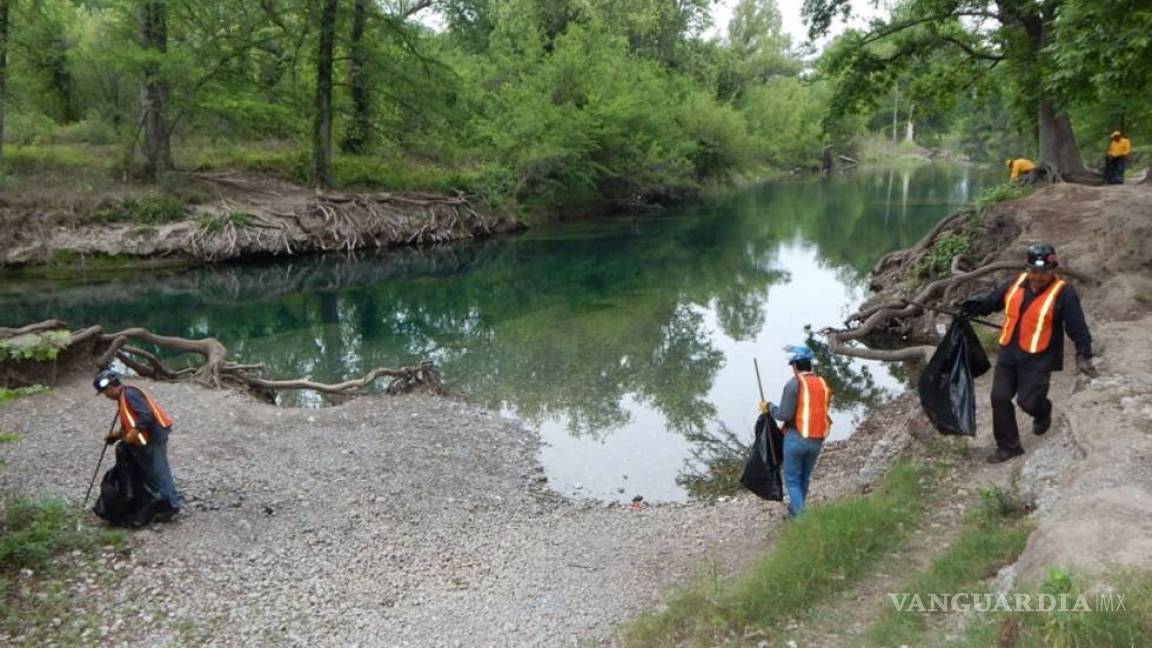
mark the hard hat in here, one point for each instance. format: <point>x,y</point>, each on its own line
<point>104,379</point>
<point>1116,134</point>
<point>798,354</point>
<point>1041,256</point>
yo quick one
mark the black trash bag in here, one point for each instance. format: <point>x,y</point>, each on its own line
<point>118,497</point>
<point>762,471</point>
<point>947,392</point>
<point>124,501</point>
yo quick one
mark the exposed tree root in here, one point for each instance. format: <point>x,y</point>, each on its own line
<point>338,221</point>
<point>216,371</point>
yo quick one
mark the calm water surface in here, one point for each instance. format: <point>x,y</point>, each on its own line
<point>627,342</point>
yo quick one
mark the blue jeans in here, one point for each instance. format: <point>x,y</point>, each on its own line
<point>799,458</point>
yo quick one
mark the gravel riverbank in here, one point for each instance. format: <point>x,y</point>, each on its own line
<point>385,521</point>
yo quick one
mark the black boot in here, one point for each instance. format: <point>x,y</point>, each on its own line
<point>1002,455</point>
<point>1041,425</point>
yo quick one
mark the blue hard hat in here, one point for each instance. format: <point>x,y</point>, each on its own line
<point>104,379</point>
<point>798,353</point>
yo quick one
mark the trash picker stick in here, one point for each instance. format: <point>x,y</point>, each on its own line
<point>767,429</point>
<point>102,453</point>
<point>948,311</point>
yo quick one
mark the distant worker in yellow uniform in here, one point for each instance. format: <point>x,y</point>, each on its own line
<point>1018,167</point>
<point>1117,158</point>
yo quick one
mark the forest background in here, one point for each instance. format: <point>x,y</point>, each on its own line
<point>544,108</point>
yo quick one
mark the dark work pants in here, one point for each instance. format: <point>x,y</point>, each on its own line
<point>1028,382</point>
<point>1114,170</point>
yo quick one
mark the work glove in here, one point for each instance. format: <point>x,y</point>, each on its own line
<point>763,407</point>
<point>1084,365</point>
<point>111,438</point>
<point>970,307</point>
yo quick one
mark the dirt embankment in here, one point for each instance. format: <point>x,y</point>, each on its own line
<point>1091,477</point>
<point>250,215</point>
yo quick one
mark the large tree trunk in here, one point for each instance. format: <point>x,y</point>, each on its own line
<point>3,70</point>
<point>360,131</point>
<point>322,120</point>
<point>154,91</point>
<point>1058,149</point>
<point>1057,143</point>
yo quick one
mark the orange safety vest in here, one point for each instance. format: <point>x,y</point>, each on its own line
<point>1036,324</point>
<point>128,419</point>
<point>812,420</point>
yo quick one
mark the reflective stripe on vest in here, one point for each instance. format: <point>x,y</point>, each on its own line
<point>812,406</point>
<point>128,420</point>
<point>1036,322</point>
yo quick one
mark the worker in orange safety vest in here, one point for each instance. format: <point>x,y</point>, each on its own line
<point>803,410</point>
<point>1039,306</point>
<point>140,488</point>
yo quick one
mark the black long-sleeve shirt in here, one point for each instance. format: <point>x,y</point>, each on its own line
<point>141,411</point>
<point>1068,316</point>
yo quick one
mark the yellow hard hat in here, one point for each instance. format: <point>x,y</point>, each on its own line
<point>1116,134</point>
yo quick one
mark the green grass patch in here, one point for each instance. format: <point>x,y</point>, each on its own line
<point>39,604</point>
<point>20,392</point>
<point>1106,624</point>
<point>288,162</point>
<point>153,209</point>
<point>1001,193</point>
<point>993,537</point>
<point>353,172</point>
<point>218,222</point>
<point>39,158</point>
<point>821,553</point>
<point>33,531</point>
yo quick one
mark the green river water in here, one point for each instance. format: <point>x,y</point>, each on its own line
<point>625,341</point>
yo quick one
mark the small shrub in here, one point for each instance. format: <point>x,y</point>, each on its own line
<point>86,131</point>
<point>995,506</point>
<point>937,262</point>
<point>40,347</point>
<point>23,128</point>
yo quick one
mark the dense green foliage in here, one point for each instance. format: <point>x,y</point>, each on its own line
<point>999,79</point>
<point>555,105</point>
<point>528,103</point>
